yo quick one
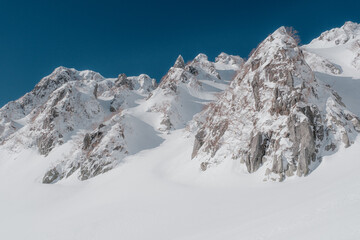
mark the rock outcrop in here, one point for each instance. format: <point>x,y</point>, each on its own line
<point>338,36</point>
<point>180,93</point>
<point>179,63</point>
<point>62,107</point>
<point>275,117</point>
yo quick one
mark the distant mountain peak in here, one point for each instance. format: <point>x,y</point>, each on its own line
<point>179,63</point>
<point>225,58</point>
<point>337,36</point>
<point>352,26</point>
<point>201,57</point>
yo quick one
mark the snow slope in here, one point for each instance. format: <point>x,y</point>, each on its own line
<point>158,195</point>
<point>344,56</point>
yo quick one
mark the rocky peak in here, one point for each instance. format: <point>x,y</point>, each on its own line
<point>229,59</point>
<point>280,40</point>
<point>58,77</point>
<point>200,57</point>
<point>178,88</point>
<point>142,83</point>
<point>276,117</point>
<point>179,63</point>
<point>175,76</point>
<point>122,80</point>
<point>38,96</point>
<point>351,27</point>
<point>337,36</point>
<point>62,75</point>
<point>203,67</point>
<point>346,38</point>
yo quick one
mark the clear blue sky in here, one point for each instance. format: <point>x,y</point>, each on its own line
<point>136,37</point>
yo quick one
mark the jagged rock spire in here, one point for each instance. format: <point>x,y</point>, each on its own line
<point>179,63</point>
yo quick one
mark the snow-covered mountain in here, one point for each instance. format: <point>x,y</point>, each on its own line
<point>272,113</point>
<point>185,158</point>
<point>183,91</point>
<point>340,62</point>
<point>95,121</point>
<point>275,114</point>
<point>345,39</point>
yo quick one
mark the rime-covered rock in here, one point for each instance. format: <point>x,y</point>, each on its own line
<point>275,117</point>
<point>62,107</point>
<point>179,63</point>
<point>346,38</point>
<point>229,60</point>
<point>12,114</point>
<point>338,36</point>
<point>181,91</point>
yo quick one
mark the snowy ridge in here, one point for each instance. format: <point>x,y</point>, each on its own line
<point>64,105</point>
<point>134,100</point>
<point>185,88</point>
<point>349,32</point>
<point>100,121</point>
<point>12,114</point>
<point>275,116</point>
<point>345,39</point>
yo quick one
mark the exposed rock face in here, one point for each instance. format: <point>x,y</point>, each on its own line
<point>199,141</point>
<point>30,102</point>
<point>179,62</point>
<point>66,110</point>
<point>258,146</point>
<point>62,107</point>
<point>338,36</point>
<point>355,47</point>
<point>176,96</point>
<point>279,119</point>
<point>101,150</point>
<point>124,81</point>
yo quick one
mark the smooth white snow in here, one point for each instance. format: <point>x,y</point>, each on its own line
<point>161,194</point>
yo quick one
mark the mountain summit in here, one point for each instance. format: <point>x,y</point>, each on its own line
<point>275,117</point>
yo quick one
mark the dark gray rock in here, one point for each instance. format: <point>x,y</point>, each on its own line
<point>179,62</point>
<point>192,70</point>
<point>167,123</point>
<point>304,148</point>
<point>95,92</point>
<point>51,176</point>
<point>45,144</point>
<point>124,81</point>
<point>255,64</point>
<point>257,151</point>
<point>199,141</point>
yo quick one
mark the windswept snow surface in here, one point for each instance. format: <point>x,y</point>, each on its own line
<point>340,47</point>
<point>157,194</point>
